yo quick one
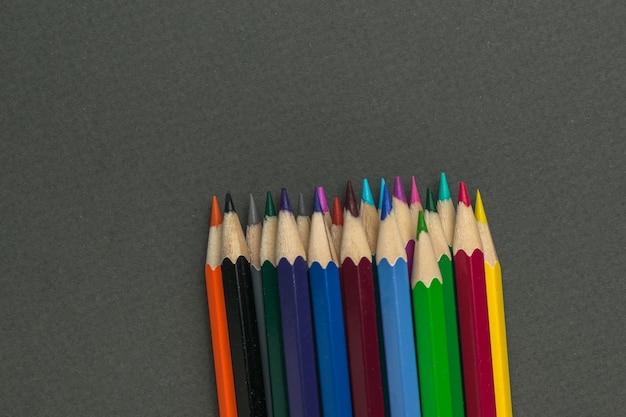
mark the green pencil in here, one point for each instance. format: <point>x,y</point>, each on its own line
<point>273,326</point>
<point>430,327</point>
<point>444,259</point>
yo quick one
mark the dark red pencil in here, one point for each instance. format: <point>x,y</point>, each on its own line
<point>359,303</point>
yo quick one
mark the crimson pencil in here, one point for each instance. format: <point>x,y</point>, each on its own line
<point>370,219</point>
<point>469,271</point>
<point>241,314</point>
<point>359,303</point>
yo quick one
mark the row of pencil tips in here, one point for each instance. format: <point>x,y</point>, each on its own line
<point>389,309</point>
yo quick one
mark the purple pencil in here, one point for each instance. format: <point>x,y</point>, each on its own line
<point>296,316</point>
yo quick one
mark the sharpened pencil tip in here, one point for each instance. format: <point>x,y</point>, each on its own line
<point>301,207</point>
<point>350,201</point>
<point>366,193</point>
<point>385,202</point>
<point>337,212</point>
<point>383,185</point>
<point>284,201</point>
<point>398,189</point>
<point>415,195</point>
<point>444,191</point>
<point>270,210</point>
<point>430,201</point>
<point>253,214</point>
<point>229,205</point>
<point>463,196</point>
<point>479,209</point>
<point>317,207</point>
<point>216,215</point>
<point>322,196</point>
<point>421,223</point>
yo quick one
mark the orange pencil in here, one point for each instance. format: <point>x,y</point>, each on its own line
<point>217,316</point>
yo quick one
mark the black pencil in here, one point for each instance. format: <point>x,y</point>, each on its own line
<point>241,315</point>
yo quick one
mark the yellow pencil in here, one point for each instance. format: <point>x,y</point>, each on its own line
<point>495,304</point>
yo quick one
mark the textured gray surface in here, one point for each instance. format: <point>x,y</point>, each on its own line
<point>119,121</point>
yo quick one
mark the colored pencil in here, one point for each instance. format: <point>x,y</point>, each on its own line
<point>369,216</point>
<point>398,334</point>
<point>242,327</point>
<point>430,328</point>
<point>253,237</point>
<point>359,303</point>
<point>330,339</point>
<point>445,207</point>
<point>415,205</point>
<point>469,272</point>
<point>444,259</point>
<point>324,203</point>
<point>321,195</point>
<point>304,222</point>
<point>403,218</point>
<point>336,228</point>
<point>370,219</point>
<point>271,301</point>
<point>297,322</point>
<point>495,302</point>
<point>217,315</point>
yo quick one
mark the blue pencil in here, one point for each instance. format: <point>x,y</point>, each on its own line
<point>330,339</point>
<point>395,299</point>
<point>296,319</point>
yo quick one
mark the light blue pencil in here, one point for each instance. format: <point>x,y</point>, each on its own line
<point>395,299</point>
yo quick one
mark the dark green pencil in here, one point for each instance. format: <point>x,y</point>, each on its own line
<point>273,326</point>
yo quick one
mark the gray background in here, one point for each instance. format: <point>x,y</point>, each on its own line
<point>120,121</point>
